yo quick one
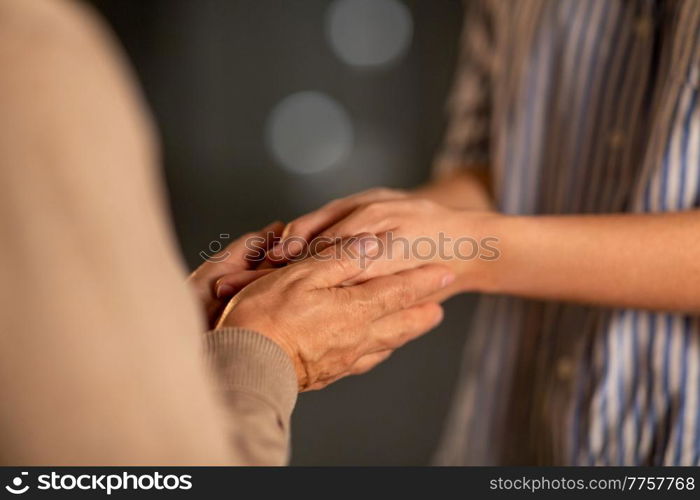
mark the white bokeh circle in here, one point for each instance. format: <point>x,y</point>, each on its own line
<point>308,132</point>
<point>369,33</point>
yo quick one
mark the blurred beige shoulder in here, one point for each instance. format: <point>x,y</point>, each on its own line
<point>42,37</point>
<point>59,60</point>
<point>36,25</point>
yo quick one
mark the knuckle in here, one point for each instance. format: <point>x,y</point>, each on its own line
<point>342,295</point>
<point>380,305</point>
<point>372,208</point>
<point>406,295</point>
<point>368,192</point>
<point>294,277</point>
<point>292,227</point>
<point>296,227</point>
<point>364,309</point>
<point>346,264</point>
<point>331,236</point>
<point>416,206</point>
<point>383,192</point>
<point>377,191</point>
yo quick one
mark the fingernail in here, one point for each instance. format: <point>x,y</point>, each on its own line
<point>294,248</point>
<point>448,279</point>
<point>224,291</point>
<point>275,250</point>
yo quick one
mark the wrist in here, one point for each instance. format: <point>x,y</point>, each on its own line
<point>464,189</point>
<point>293,353</point>
<point>479,250</point>
<point>246,360</point>
<point>288,347</point>
<point>267,330</point>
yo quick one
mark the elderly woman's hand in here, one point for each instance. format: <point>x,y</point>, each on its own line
<point>329,330</point>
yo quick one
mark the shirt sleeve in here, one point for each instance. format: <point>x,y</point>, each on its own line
<point>466,142</point>
<point>259,387</point>
<point>102,359</point>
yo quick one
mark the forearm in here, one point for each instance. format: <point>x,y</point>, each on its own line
<point>642,261</point>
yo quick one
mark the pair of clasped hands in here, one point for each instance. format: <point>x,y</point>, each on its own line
<point>345,308</point>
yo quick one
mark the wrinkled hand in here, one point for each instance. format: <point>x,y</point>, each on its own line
<point>331,331</point>
<point>231,269</point>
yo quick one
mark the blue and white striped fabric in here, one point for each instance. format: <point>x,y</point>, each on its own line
<point>578,106</point>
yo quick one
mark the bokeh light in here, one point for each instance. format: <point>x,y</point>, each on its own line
<point>309,132</point>
<point>369,33</point>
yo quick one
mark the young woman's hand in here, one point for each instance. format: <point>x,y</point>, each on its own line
<point>411,231</point>
<point>298,233</point>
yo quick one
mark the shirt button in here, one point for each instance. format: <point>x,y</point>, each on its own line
<point>565,368</point>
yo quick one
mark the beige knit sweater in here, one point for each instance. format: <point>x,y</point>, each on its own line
<point>101,345</point>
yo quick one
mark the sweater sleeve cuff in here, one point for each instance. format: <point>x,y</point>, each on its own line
<point>247,361</point>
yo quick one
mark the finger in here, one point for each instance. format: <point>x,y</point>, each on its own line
<point>371,218</point>
<point>243,250</point>
<point>397,329</point>
<point>303,229</point>
<point>230,284</point>
<point>389,294</point>
<point>328,239</point>
<point>267,264</point>
<point>254,246</point>
<point>393,257</point>
<point>234,258</point>
<point>341,262</point>
<point>370,361</point>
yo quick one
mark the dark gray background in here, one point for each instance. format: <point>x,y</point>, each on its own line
<point>212,71</point>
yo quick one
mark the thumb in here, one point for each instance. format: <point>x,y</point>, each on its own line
<point>343,261</point>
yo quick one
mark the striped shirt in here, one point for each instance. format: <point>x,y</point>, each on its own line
<point>578,106</point>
